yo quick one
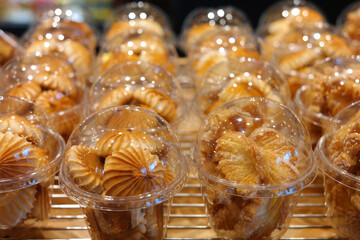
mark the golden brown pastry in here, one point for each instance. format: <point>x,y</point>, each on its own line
<point>196,32</point>
<point>118,96</point>
<point>54,101</point>
<point>132,171</point>
<point>18,156</point>
<point>157,101</point>
<point>85,167</point>
<point>299,59</point>
<point>29,91</point>
<point>352,24</point>
<point>333,46</point>
<point>146,25</point>
<point>115,140</point>
<point>15,205</point>
<point>6,51</point>
<point>56,82</point>
<point>136,120</point>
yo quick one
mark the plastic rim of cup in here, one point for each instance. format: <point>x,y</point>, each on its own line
<point>260,191</point>
<point>96,201</point>
<point>41,174</point>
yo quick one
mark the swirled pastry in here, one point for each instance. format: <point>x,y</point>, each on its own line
<point>58,82</point>
<point>197,31</point>
<point>29,91</point>
<point>17,156</point>
<point>118,96</point>
<point>54,101</point>
<point>299,59</point>
<point>132,171</point>
<point>333,46</point>
<point>158,101</point>
<point>138,120</point>
<point>116,140</point>
<point>15,205</point>
<point>22,127</point>
<point>85,168</point>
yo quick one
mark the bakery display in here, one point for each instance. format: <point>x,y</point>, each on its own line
<point>337,154</point>
<point>30,155</point>
<point>50,82</point>
<point>122,175</point>
<point>139,84</point>
<point>236,78</point>
<point>247,153</point>
<point>333,85</point>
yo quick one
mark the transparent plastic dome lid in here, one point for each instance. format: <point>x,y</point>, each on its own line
<point>204,20</point>
<point>142,84</point>
<point>138,17</point>
<point>132,157</point>
<point>31,147</point>
<point>348,21</point>
<point>337,151</point>
<point>283,15</point>
<point>130,46</point>
<point>236,78</point>
<point>254,147</point>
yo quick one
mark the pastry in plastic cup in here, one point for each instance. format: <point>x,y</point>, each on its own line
<point>140,84</point>
<point>348,22</point>
<point>122,164</point>
<point>50,82</point>
<point>280,17</point>
<point>144,46</point>
<point>333,85</point>
<point>236,78</point>
<point>253,157</point>
<point>30,152</point>
<point>203,20</point>
<point>8,44</point>
<point>337,155</point>
<point>138,17</point>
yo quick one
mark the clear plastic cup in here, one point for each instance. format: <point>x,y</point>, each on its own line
<point>332,85</point>
<point>203,20</point>
<point>30,156</point>
<point>138,17</point>
<point>135,205</point>
<point>336,154</point>
<point>145,46</point>
<point>140,84</point>
<point>348,24</point>
<point>52,83</point>
<point>253,157</point>
<point>236,78</point>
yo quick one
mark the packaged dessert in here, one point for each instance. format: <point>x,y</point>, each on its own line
<point>64,21</point>
<point>337,155</point>
<point>253,157</point>
<point>217,46</point>
<point>31,151</point>
<point>8,45</point>
<point>123,165</point>
<point>333,85</point>
<point>203,20</point>
<point>140,84</point>
<point>304,47</point>
<point>236,78</point>
<point>134,46</point>
<point>50,82</point>
<point>138,17</point>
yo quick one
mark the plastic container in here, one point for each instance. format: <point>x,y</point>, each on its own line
<point>30,156</point>
<point>336,153</point>
<point>52,83</point>
<point>253,157</point>
<point>333,85</point>
<point>140,84</point>
<point>117,209</point>
<point>236,78</point>
<point>145,46</point>
<point>8,45</point>
<point>203,20</point>
<point>138,17</point>
<point>348,24</point>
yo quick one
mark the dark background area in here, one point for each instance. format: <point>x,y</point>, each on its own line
<point>177,10</point>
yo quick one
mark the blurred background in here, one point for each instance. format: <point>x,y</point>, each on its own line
<point>16,15</point>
